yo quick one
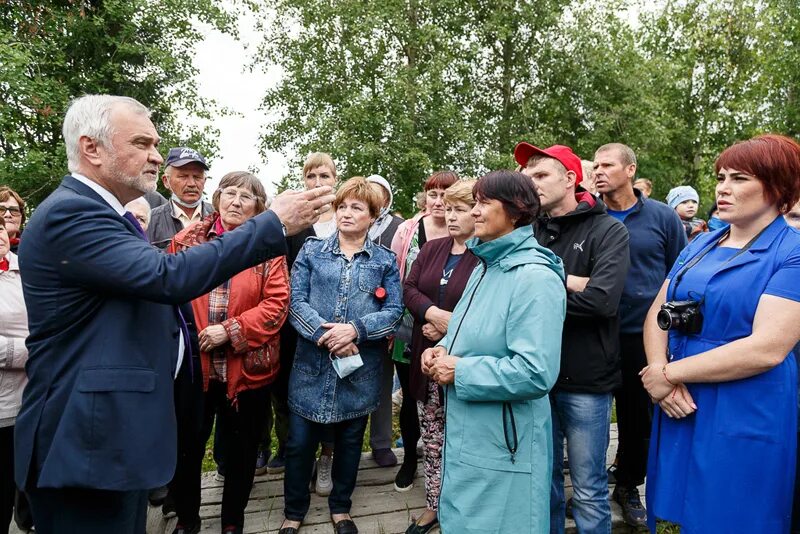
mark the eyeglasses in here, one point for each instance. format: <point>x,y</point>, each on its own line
<point>231,194</point>
<point>15,211</point>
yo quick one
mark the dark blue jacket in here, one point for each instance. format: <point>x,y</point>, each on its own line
<point>656,237</point>
<point>98,408</point>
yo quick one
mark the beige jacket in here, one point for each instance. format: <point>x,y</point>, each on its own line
<point>13,352</point>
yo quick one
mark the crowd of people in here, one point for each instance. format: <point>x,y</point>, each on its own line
<point>515,311</point>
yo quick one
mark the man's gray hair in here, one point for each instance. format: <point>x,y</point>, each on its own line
<point>168,171</point>
<point>626,154</point>
<point>90,115</point>
<point>141,201</point>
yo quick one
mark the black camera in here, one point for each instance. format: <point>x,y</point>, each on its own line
<point>683,315</point>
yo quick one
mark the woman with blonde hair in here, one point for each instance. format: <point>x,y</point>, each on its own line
<point>407,242</point>
<point>431,291</point>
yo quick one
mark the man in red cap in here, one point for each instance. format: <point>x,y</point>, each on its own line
<point>594,249</point>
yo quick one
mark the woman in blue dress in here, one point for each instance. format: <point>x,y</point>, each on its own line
<point>722,451</point>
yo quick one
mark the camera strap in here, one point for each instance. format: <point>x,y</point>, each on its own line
<point>702,254</point>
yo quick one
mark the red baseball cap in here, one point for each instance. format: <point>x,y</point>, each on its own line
<point>564,154</point>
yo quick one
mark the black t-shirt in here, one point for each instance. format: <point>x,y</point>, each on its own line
<point>447,272</point>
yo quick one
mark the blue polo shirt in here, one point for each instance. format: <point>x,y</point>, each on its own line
<point>656,239</point>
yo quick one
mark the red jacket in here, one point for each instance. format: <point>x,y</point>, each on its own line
<point>258,304</point>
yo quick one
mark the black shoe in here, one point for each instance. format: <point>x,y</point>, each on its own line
<point>384,457</point>
<point>156,496</point>
<point>277,464</point>
<point>191,529</point>
<point>168,508</point>
<point>345,526</point>
<point>415,528</point>
<point>633,512</point>
<point>404,480</point>
<point>289,530</point>
<point>568,509</point>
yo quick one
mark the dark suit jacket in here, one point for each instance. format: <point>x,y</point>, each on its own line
<point>98,408</point>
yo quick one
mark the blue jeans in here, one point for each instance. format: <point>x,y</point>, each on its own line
<point>583,419</point>
<point>301,452</point>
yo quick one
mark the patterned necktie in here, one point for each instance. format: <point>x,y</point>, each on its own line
<point>184,328</point>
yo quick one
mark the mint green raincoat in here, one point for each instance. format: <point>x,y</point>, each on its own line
<point>498,438</point>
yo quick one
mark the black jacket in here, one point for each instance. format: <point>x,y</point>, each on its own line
<point>164,225</point>
<point>592,244</point>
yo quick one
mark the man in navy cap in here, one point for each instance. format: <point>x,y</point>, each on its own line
<point>185,176</point>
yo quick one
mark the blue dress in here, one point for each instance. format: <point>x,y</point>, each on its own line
<point>730,466</point>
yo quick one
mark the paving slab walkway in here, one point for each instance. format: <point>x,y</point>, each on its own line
<point>377,507</point>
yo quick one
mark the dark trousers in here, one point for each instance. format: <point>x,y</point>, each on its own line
<point>409,418</point>
<point>184,489</point>
<point>634,413</point>
<point>304,436</point>
<point>7,486</point>
<point>280,406</point>
<point>380,421</point>
<point>280,400</point>
<point>243,426</point>
<point>88,511</point>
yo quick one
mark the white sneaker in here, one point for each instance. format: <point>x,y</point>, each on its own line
<point>324,478</point>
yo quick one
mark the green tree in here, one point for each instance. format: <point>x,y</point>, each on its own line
<point>703,68</point>
<point>376,84</point>
<point>52,51</point>
<point>780,77</point>
<point>407,86</point>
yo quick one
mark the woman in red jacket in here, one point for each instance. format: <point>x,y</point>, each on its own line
<point>431,291</point>
<point>238,325</point>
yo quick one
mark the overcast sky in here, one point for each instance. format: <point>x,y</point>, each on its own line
<point>223,75</point>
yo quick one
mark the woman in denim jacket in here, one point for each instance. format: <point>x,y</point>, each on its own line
<point>346,301</point>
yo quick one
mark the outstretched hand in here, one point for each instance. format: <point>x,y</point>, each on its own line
<point>298,210</point>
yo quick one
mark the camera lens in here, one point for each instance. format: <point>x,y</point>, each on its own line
<point>666,319</point>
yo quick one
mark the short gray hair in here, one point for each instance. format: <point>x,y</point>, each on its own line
<point>627,156</point>
<point>168,171</point>
<point>90,116</point>
<point>140,201</point>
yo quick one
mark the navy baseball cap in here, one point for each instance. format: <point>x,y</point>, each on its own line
<point>180,156</point>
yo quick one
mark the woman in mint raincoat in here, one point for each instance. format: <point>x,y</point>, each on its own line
<point>498,361</point>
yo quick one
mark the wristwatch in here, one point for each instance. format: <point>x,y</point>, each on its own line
<point>283,227</point>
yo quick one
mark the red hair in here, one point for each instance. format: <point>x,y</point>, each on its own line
<point>774,160</point>
<point>440,180</point>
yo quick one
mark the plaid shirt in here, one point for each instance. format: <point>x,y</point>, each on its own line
<point>217,313</point>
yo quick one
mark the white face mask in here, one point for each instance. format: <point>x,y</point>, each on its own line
<point>180,202</point>
<point>347,365</point>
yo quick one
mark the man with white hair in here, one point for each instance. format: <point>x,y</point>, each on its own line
<point>97,428</point>
<point>185,177</point>
<point>140,208</point>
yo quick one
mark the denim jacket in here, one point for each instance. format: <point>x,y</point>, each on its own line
<point>327,287</point>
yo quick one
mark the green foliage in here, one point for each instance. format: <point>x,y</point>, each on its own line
<point>52,51</point>
<point>404,87</point>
